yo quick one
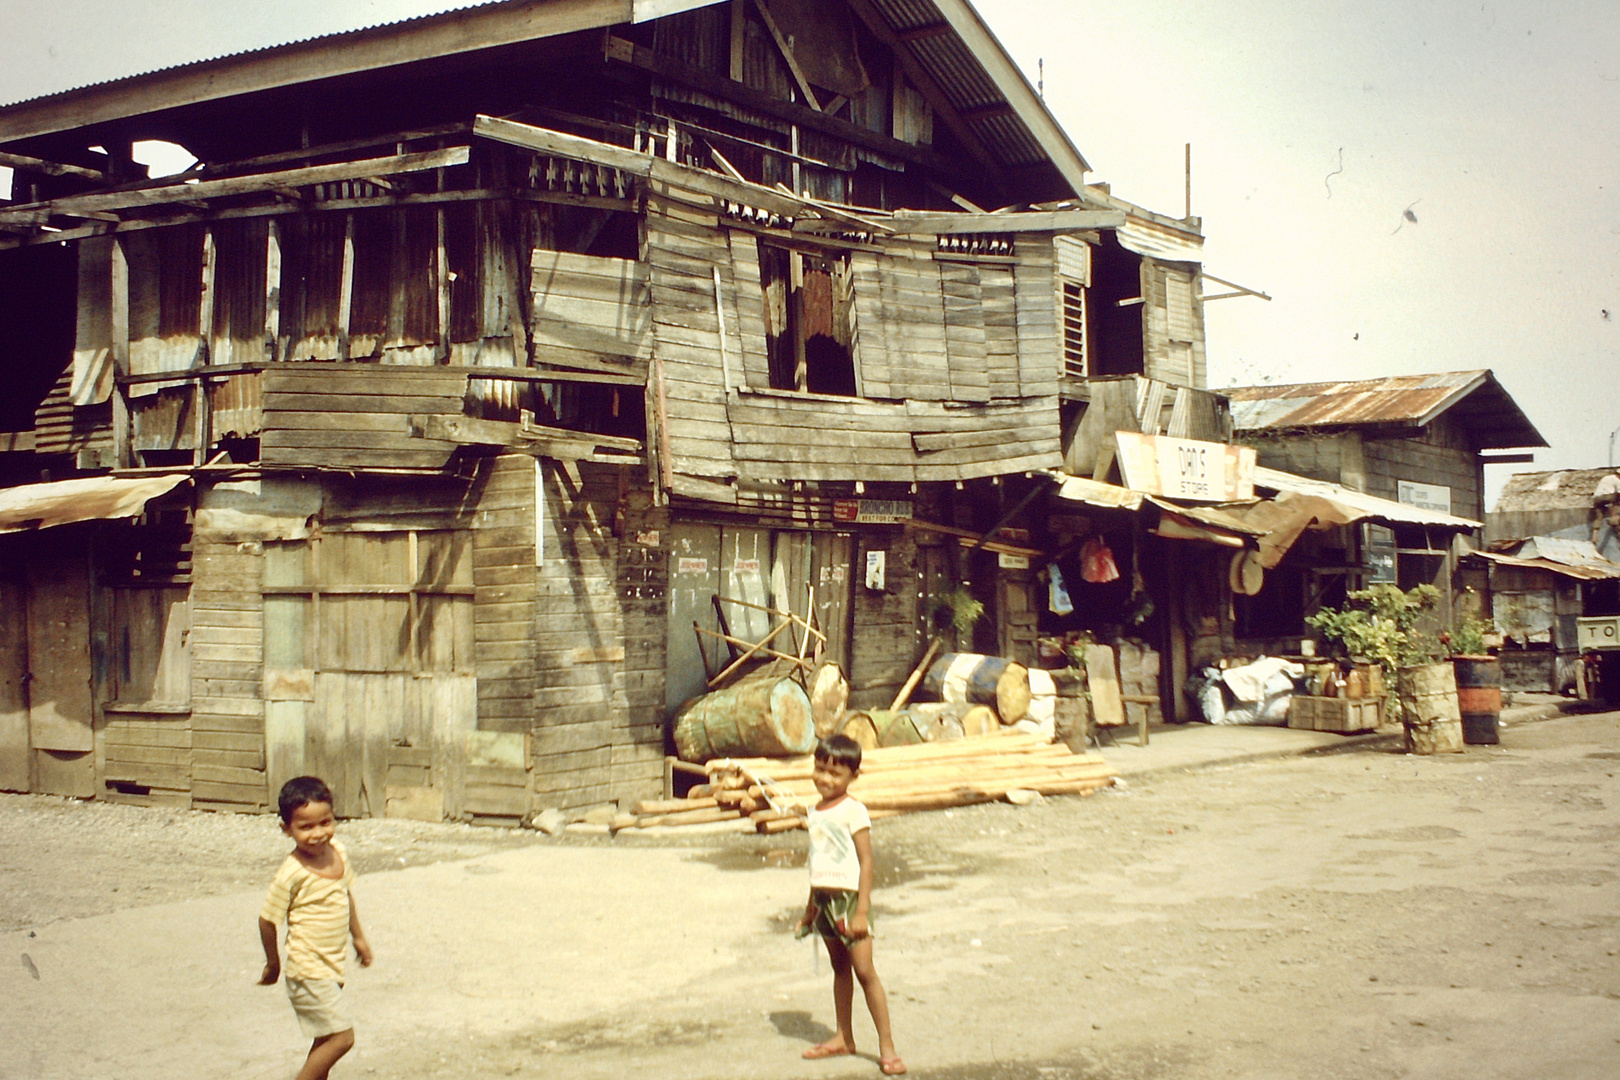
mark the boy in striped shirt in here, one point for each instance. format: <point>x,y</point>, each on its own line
<point>311,893</point>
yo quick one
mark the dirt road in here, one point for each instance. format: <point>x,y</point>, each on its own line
<point>1351,916</point>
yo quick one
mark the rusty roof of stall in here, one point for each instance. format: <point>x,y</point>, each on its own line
<point>1473,397</point>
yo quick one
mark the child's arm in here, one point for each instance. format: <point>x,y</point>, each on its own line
<point>863,898</point>
<point>272,958</point>
<point>362,947</point>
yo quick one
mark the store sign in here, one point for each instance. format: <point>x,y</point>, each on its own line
<point>872,511</point>
<point>1378,553</point>
<point>1185,468</point>
<point>1423,496</point>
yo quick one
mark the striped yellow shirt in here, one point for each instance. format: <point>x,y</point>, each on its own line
<point>316,911</point>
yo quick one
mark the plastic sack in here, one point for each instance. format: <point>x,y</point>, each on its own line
<point>1097,562</point>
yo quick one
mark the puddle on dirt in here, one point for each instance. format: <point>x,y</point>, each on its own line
<point>1606,755</point>
<point>887,871</point>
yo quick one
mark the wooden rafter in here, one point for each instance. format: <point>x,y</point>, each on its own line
<point>787,54</point>
<point>50,168</point>
<point>926,85</point>
<point>170,194</point>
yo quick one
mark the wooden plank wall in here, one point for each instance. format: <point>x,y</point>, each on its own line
<point>1172,325</point>
<point>643,591</point>
<point>227,666</point>
<point>684,246</point>
<point>590,312</point>
<point>505,608</point>
<point>588,749</point>
<point>356,415</point>
<point>900,323</point>
<point>887,639</point>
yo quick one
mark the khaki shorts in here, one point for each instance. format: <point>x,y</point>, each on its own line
<point>319,1005</point>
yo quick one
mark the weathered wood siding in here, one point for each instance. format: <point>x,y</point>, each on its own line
<point>1173,325</point>
<point>227,665</point>
<point>887,639</point>
<point>356,415</point>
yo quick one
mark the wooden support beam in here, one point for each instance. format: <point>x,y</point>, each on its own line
<point>739,37</point>
<point>272,291</point>
<point>120,355</point>
<point>51,168</point>
<point>914,223</point>
<point>170,194</point>
<point>346,287</point>
<point>474,431</point>
<point>786,50</point>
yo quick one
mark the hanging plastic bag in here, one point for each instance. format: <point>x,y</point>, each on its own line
<point>1057,594</point>
<point>1097,562</point>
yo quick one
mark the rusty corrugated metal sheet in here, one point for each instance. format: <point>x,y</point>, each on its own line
<point>1402,398</point>
<point>1412,400</point>
<point>93,498</point>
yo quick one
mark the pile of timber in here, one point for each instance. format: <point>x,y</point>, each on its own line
<point>772,794</point>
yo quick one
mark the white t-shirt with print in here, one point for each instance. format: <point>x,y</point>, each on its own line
<point>833,862</point>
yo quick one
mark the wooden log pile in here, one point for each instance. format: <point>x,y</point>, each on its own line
<point>773,794</point>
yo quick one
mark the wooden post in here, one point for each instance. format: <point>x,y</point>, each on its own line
<point>205,342</point>
<point>272,291</point>
<point>346,287</point>
<point>120,354</point>
<point>916,675</point>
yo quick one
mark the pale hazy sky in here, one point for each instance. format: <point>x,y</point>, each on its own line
<point>1315,126</point>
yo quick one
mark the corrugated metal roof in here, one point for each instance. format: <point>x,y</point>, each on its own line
<point>1491,414</point>
<point>1601,570</point>
<point>94,498</point>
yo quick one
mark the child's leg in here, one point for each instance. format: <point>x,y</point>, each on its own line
<point>324,1053</point>
<point>843,993</point>
<point>859,957</point>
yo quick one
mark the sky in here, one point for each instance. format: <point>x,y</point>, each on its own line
<point>1419,187</point>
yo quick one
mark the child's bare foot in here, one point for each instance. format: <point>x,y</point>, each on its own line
<point>891,1066</point>
<point>835,1048</point>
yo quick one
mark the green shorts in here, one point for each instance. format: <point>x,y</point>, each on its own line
<point>830,913</point>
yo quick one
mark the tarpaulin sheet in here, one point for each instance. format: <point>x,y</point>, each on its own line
<point>91,498</point>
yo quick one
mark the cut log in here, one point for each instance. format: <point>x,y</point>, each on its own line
<point>829,698</point>
<point>787,824</point>
<point>980,720</point>
<point>975,679</point>
<point>767,715</point>
<point>916,675</point>
<point>667,806</point>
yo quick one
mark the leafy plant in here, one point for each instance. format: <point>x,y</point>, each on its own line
<point>1383,624</point>
<point>965,611</point>
<point>1467,636</point>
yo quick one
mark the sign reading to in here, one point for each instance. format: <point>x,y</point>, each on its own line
<point>1185,468</point>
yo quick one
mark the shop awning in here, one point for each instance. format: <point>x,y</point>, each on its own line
<point>1176,522</point>
<point>91,498</point>
<point>1357,505</point>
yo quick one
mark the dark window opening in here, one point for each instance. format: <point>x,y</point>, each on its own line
<point>1115,314</point>
<point>809,320</point>
<point>38,310</point>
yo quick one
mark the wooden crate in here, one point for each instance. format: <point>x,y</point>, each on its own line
<point>1333,714</point>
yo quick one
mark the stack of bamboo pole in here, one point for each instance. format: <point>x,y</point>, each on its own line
<point>773,793</point>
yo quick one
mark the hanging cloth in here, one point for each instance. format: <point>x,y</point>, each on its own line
<point>1057,594</point>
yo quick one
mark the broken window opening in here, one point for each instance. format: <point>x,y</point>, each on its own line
<point>809,320</point>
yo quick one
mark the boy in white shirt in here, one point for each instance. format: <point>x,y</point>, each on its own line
<point>311,894</point>
<point>841,899</point>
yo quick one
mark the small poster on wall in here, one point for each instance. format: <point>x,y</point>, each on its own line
<point>876,563</point>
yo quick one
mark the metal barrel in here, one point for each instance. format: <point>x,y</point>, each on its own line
<point>1479,697</point>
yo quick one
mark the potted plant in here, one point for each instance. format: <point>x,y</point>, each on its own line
<point>1386,626</point>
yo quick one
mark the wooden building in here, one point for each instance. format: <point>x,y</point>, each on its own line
<point>1421,441</point>
<point>481,363</point>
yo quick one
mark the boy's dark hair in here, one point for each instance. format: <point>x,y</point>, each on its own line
<point>840,750</point>
<point>301,791</point>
